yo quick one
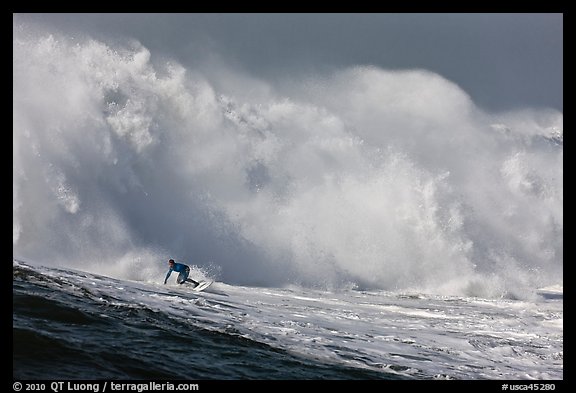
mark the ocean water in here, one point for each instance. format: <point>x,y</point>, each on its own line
<point>70,324</point>
<point>359,223</point>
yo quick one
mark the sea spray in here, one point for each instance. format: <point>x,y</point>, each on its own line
<point>383,179</point>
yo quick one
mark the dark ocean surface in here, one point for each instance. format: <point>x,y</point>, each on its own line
<point>70,324</point>
<point>58,335</point>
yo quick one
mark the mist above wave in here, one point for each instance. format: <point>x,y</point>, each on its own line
<point>366,177</point>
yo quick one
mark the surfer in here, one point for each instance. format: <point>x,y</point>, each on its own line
<point>184,271</point>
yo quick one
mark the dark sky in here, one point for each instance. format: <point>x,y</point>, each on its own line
<point>503,61</point>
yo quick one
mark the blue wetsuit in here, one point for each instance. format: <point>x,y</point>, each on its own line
<point>184,271</point>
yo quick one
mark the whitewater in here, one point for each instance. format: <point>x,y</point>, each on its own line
<point>360,223</point>
<point>72,324</point>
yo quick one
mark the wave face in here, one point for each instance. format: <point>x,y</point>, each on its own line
<point>363,177</point>
<point>79,325</point>
<point>65,328</point>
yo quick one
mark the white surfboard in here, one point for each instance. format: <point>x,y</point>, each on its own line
<point>202,286</point>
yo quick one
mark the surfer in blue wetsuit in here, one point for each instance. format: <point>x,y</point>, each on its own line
<point>184,271</point>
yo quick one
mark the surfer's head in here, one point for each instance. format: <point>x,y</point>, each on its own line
<point>171,261</point>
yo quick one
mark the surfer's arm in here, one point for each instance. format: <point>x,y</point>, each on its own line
<point>167,275</point>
